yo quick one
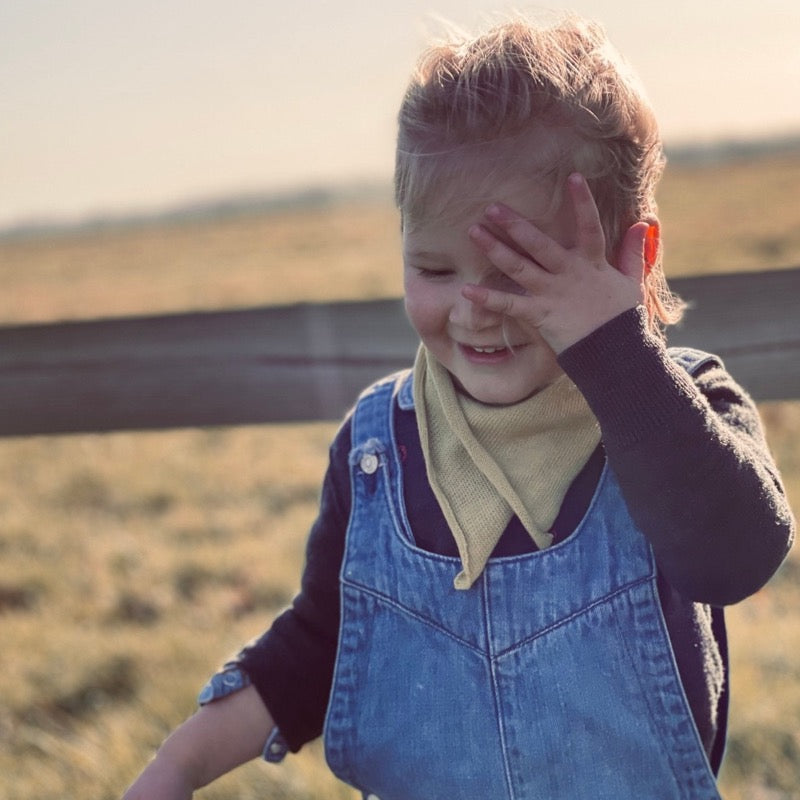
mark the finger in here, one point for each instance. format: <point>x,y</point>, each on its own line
<point>512,305</point>
<point>517,267</point>
<point>524,271</point>
<point>542,249</point>
<point>591,239</point>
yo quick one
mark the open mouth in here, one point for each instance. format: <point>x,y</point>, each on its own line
<point>487,354</point>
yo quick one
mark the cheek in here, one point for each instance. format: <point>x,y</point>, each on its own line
<point>418,313</point>
<point>426,308</point>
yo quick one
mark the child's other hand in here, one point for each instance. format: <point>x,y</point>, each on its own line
<point>569,291</point>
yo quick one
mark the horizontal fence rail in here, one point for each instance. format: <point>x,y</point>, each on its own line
<point>309,361</point>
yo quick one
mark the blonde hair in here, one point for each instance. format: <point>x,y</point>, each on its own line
<point>561,91</point>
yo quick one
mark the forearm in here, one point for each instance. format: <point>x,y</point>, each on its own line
<point>694,469</point>
<point>719,527</point>
<point>219,737</point>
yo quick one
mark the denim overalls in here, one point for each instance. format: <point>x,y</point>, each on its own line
<point>551,678</point>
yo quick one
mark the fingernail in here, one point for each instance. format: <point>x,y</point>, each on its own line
<point>495,211</point>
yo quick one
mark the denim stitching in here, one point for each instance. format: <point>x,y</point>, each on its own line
<point>679,768</point>
<point>570,617</point>
<point>388,601</point>
<point>498,706</point>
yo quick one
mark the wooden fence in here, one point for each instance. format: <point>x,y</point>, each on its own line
<point>309,361</point>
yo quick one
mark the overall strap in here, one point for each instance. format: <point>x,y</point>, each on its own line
<point>371,431</point>
<point>691,359</point>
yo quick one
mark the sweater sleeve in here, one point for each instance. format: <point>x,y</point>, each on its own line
<point>691,460</point>
<point>291,665</point>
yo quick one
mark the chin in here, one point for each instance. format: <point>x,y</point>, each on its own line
<point>498,396</point>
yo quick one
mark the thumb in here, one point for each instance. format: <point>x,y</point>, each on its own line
<point>631,260</point>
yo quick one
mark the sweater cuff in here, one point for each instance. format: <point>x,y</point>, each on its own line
<point>626,375</point>
<point>232,679</point>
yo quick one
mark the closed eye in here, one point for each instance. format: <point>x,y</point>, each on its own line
<point>434,273</point>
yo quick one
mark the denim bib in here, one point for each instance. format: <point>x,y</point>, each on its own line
<point>552,678</point>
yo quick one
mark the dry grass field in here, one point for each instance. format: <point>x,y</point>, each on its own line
<point>132,564</point>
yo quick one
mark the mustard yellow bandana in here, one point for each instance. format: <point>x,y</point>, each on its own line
<point>487,463</point>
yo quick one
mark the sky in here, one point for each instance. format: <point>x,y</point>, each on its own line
<point>116,106</point>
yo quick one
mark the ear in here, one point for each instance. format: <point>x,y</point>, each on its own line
<point>652,246</point>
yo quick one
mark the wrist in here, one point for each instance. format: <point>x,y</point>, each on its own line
<point>582,330</point>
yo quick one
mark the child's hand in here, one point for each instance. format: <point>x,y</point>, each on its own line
<point>569,291</point>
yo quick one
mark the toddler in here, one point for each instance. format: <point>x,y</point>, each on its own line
<point>514,587</point>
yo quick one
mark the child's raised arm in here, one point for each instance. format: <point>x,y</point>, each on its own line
<point>220,736</point>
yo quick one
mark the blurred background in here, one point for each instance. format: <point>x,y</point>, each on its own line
<point>174,156</point>
<point>130,106</point>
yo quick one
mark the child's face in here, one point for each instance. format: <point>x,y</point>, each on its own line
<point>490,356</point>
